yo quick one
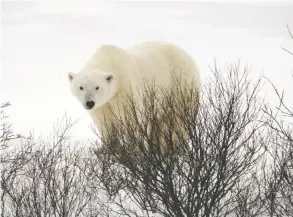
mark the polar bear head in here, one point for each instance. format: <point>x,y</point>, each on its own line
<point>93,88</point>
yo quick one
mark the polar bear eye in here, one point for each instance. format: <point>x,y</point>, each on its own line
<point>97,88</point>
<point>81,88</point>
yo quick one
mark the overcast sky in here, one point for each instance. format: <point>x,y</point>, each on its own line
<point>43,40</point>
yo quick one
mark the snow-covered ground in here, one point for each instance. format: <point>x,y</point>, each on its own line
<point>43,40</point>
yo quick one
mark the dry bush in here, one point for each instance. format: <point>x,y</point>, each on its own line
<point>45,178</point>
<point>203,175</point>
<point>279,176</point>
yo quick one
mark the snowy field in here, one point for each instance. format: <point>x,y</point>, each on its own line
<point>43,40</point>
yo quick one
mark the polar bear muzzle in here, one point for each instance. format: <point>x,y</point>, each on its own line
<point>90,104</point>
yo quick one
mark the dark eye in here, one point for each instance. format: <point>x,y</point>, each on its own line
<point>81,88</point>
<point>97,88</point>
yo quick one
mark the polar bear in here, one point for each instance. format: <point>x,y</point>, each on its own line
<point>112,72</point>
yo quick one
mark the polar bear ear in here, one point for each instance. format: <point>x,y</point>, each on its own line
<point>109,77</point>
<point>70,76</point>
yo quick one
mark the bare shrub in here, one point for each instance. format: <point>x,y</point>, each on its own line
<point>45,178</point>
<point>12,159</point>
<point>207,175</point>
<point>279,176</point>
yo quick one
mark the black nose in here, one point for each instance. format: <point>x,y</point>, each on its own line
<point>90,104</point>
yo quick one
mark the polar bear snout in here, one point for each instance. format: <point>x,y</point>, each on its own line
<point>90,104</point>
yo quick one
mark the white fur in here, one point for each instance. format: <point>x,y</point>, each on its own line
<point>149,61</point>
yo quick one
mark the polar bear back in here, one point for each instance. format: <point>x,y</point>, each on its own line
<point>147,61</point>
<point>156,61</point>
